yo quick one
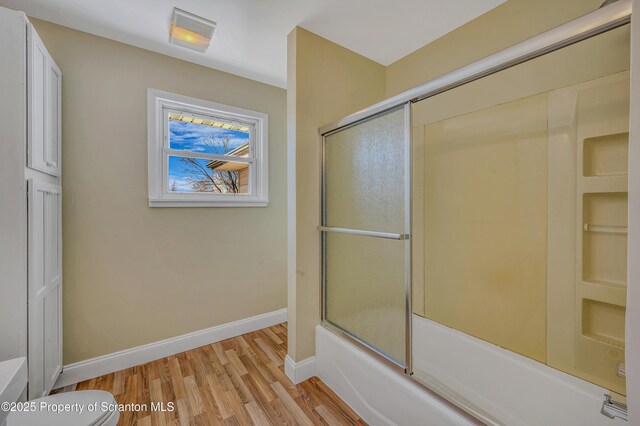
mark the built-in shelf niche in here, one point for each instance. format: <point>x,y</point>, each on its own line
<point>604,242</point>
<point>600,348</point>
<point>602,135</point>
<point>602,217</point>
<point>606,155</point>
<point>603,322</point>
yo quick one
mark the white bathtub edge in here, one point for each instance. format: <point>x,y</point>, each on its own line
<point>378,394</point>
<point>513,388</point>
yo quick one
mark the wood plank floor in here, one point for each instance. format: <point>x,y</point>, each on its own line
<point>239,381</point>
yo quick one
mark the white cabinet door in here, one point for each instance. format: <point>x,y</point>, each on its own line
<point>44,107</point>
<point>45,287</point>
<point>53,139</point>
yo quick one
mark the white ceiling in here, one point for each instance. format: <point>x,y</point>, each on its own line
<point>251,36</point>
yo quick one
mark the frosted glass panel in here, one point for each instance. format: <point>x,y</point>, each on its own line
<point>365,290</point>
<point>364,175</point>
<point>365,189</point>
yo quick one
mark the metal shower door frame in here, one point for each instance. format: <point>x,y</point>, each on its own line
<point>405,236</point>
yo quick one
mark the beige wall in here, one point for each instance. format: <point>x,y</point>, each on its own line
<point>133,274</point>
<point>510,23</point>
<point>325,83</point>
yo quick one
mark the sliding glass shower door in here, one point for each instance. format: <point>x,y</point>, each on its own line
<point>365,233</point>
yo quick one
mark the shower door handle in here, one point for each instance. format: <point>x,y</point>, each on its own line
<point>387,235</point>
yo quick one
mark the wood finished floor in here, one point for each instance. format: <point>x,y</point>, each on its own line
<point>239,381</point>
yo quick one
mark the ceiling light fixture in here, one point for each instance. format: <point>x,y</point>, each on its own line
<point>191,31</point>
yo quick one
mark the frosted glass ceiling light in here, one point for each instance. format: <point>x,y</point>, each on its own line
<point>191,31</point>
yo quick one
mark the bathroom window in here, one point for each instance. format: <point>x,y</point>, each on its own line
<point>204,154</point>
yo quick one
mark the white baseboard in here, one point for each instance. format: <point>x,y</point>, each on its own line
<point>105,364</point>
<point>299,371</point>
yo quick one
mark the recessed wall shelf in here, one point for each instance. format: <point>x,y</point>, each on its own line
<point>604,247</point>
<point>606,155</point>
<point>603,322</point>
<point>601,238</point>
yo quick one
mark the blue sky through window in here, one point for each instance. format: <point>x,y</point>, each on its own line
<point>197,138</point>
<point>194,137</point>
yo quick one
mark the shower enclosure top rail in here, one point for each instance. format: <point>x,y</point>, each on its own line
<point>607,18</point>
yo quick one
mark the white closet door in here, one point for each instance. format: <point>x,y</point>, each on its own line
<point>44,84</point>
<point>45,287</point>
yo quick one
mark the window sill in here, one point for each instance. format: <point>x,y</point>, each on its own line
<point>206,203</point>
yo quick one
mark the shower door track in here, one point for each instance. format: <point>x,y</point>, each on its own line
<point>590,25</point>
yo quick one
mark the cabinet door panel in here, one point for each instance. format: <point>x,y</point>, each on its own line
<point>44,100</point>
<point>54,104</point>
<point>36,66</point>
<point>45,287</point>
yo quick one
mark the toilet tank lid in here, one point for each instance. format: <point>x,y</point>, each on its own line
<point>79,408</point>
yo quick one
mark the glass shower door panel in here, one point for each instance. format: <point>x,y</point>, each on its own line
<point>365,175</point>
<point>366,193</point>
<point>365,293</point>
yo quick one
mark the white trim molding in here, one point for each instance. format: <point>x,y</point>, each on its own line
<point>298,372</point>
<point>105,364</point>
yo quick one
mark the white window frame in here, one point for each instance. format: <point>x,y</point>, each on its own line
<point>159,103</point>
